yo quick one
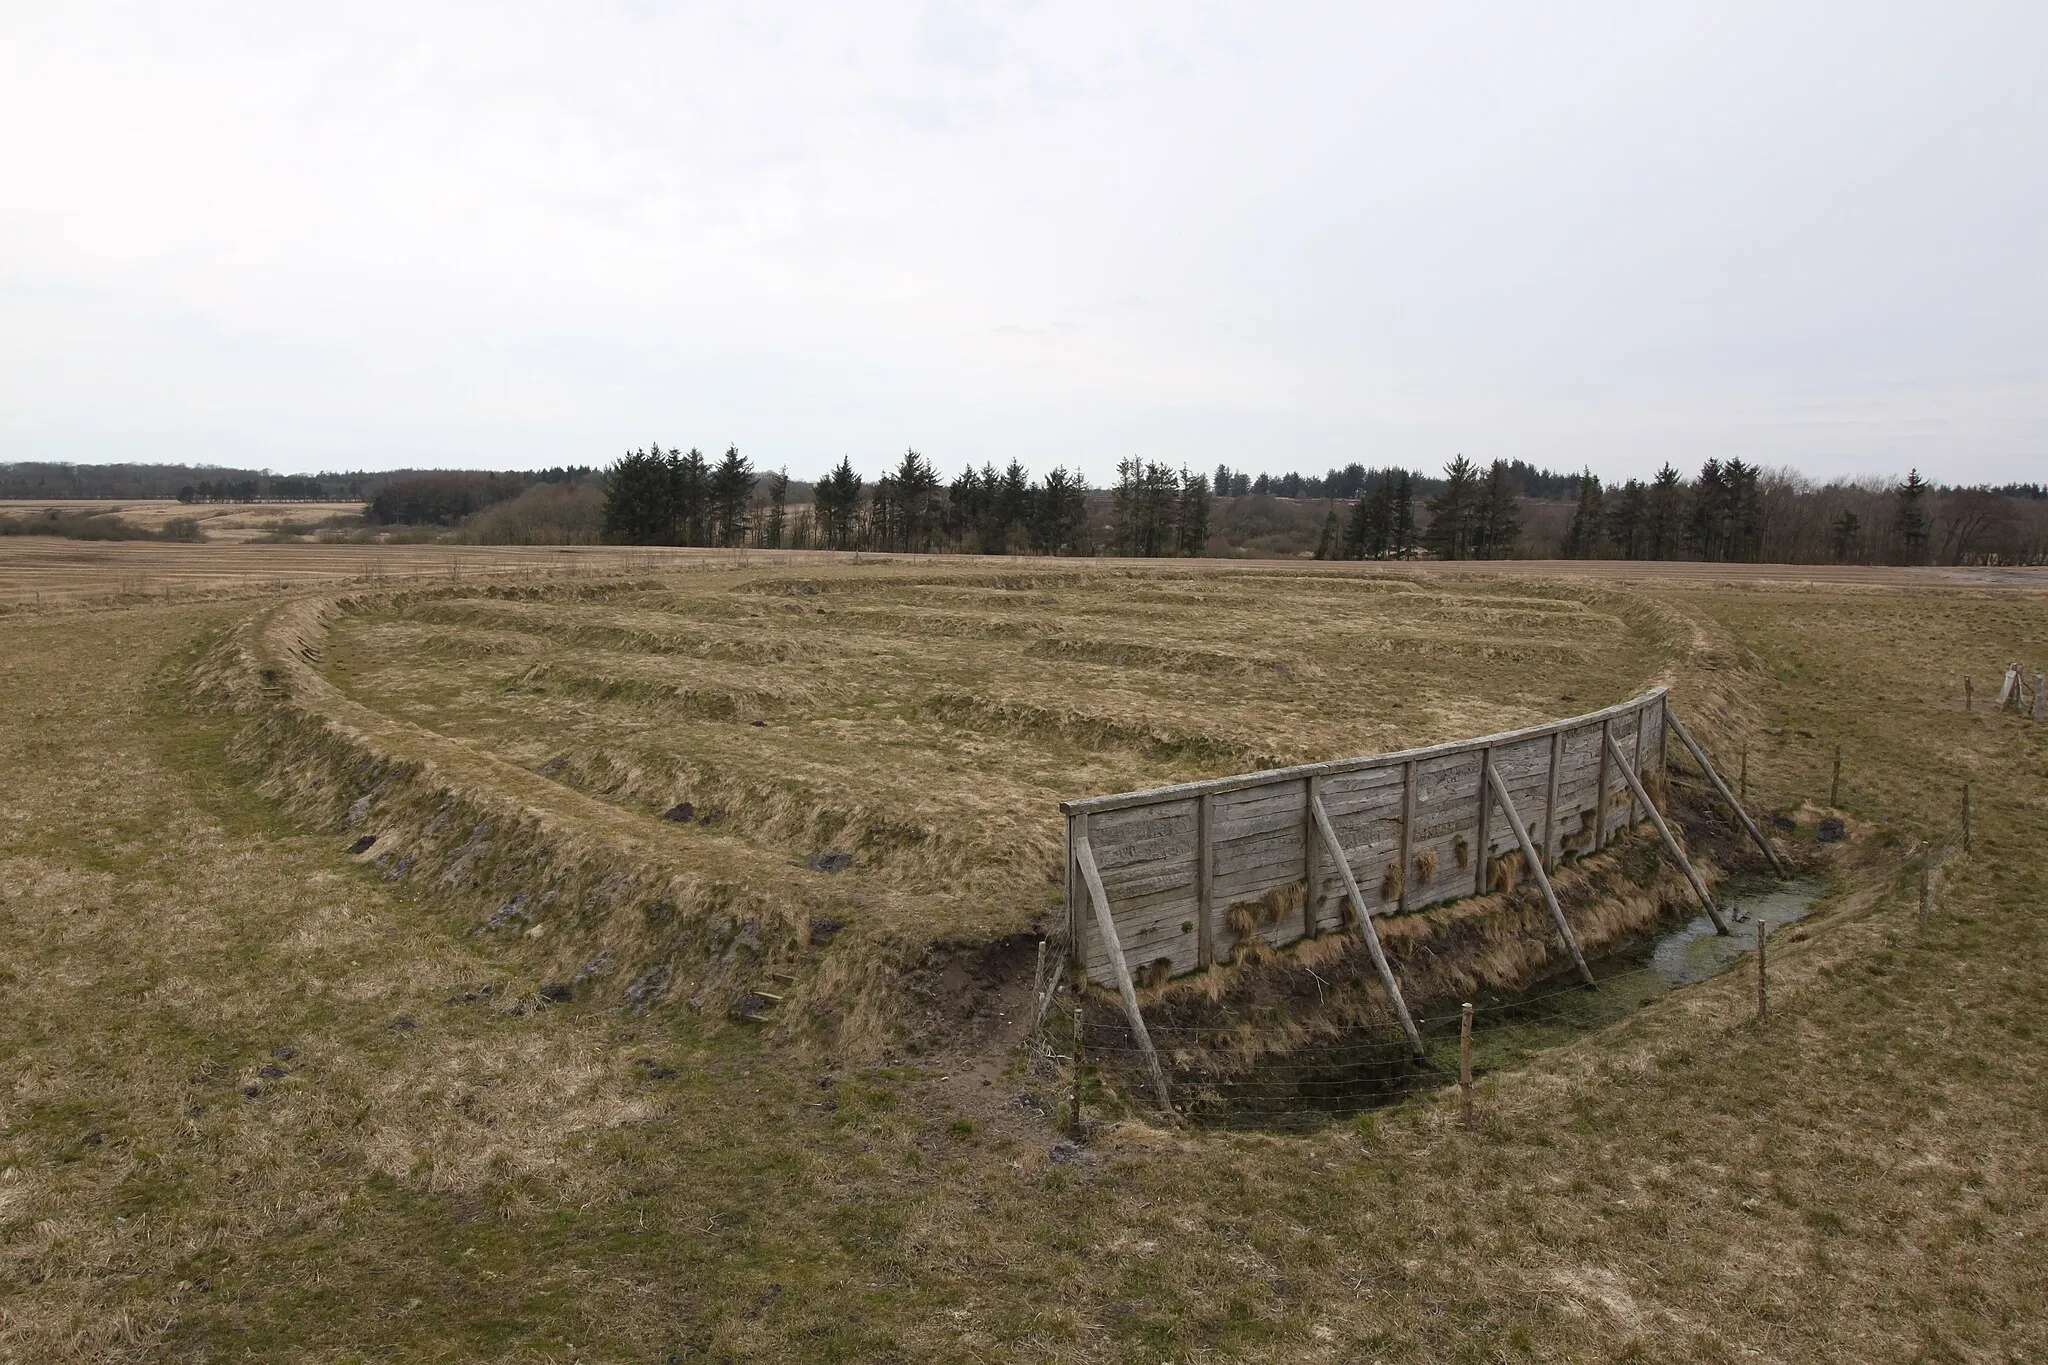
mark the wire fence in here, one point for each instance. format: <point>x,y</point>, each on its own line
<point>1246,1073</point>
<point>1267,1069</point>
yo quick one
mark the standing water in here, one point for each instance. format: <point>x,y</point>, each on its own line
<point>1364,1069</point>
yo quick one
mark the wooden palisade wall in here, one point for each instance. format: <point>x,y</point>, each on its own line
<point>1191,871</point>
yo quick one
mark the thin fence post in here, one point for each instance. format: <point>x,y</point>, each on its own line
<point>1763,989</point>
<point>1835,784</point>
<point>1079,1047</point>
<point>1465,1066</point>
<point>1037,987</point>
<point>1969,700</point>
<point>1966,817</point>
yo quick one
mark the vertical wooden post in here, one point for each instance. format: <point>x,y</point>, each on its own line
<point>1079,1047</point>
<point>1634,811</point>
<point>1966,817</point>
<point>1484,835</point>
<point>1037,985</point>
<point>1311,860</point>
<point>1600,798</point>
<point>1835,784</point>
<point>1407,831</point>
<point>1205,877</point>
<point>1550,801</point>
<point>1664,737</point>
<point>1465,1066</point>
<point>1763,990</point>
<point>1969,701</point>
<point>1077,923</point>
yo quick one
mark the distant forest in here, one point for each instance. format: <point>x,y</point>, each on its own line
<point>1729,511</point>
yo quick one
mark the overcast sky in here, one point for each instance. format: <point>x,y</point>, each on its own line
<point>1278,236</point>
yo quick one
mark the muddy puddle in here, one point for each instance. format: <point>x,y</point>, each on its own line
<point>1363,1071</point>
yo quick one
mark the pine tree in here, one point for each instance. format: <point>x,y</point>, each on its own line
<point>772,527</point>
<point>1628,517</point>
<point>1192,521</point>
<point>1453,513</point>
<point>638,509</point>
<point>1497,526</point>
<point>838,506</point>
<point>1909,518</point>
<point>1013,505</point>
<point>915,497</point>
<point>1706,534</point>
<point>1327,543</point>
<point>1059,523</point>
<point>730,488</point>
<point>1355,530</point>
<point>1582,540</point>
<point>1404,540</point>
<point>690,478</point>
<point>1665,518</point>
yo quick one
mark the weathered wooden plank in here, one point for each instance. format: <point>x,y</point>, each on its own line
<point>1205,885</point>
<point>1371,935</point>
<point>1407,831</point>
<point>1106,924</point>
<point>1528,848</point>
<point>1121,800</point>
<point>1671,845</point>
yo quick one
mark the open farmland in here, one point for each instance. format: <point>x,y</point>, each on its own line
<point>267,1098</point>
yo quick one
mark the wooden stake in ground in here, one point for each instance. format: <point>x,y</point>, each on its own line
<point>1465,1067</point>
<point>1966,817</point>
<point>1835,786</point>
<point>1969,703</point>
<point>1763,989</point>
<point>1078,1048</point>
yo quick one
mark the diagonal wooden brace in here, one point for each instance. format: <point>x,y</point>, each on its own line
<point>1670,841</point>
<point>1500,794</point>
<point>1084,855</point>
<point>1700,757</point>
<point>1372,935</point>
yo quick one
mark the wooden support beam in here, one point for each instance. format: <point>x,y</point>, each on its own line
<point>1407,833</point>
<point>1633,813</point>
<point>1699,756</point>
<point>1670,841</point>
<point>1205,883</point>
<point>1077,954</point>
<point>1483,838</point>
<point>1571,942</point>
<point>1105,923</point>
<point>1550,800</point>
<point>1600,800</point>
<point>1372,935</point>
<point>1311,864</point>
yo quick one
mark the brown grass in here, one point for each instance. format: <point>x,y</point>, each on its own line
<point>1861,1179</point>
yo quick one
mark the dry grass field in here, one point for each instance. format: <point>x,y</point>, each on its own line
<point>266,1098</point>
